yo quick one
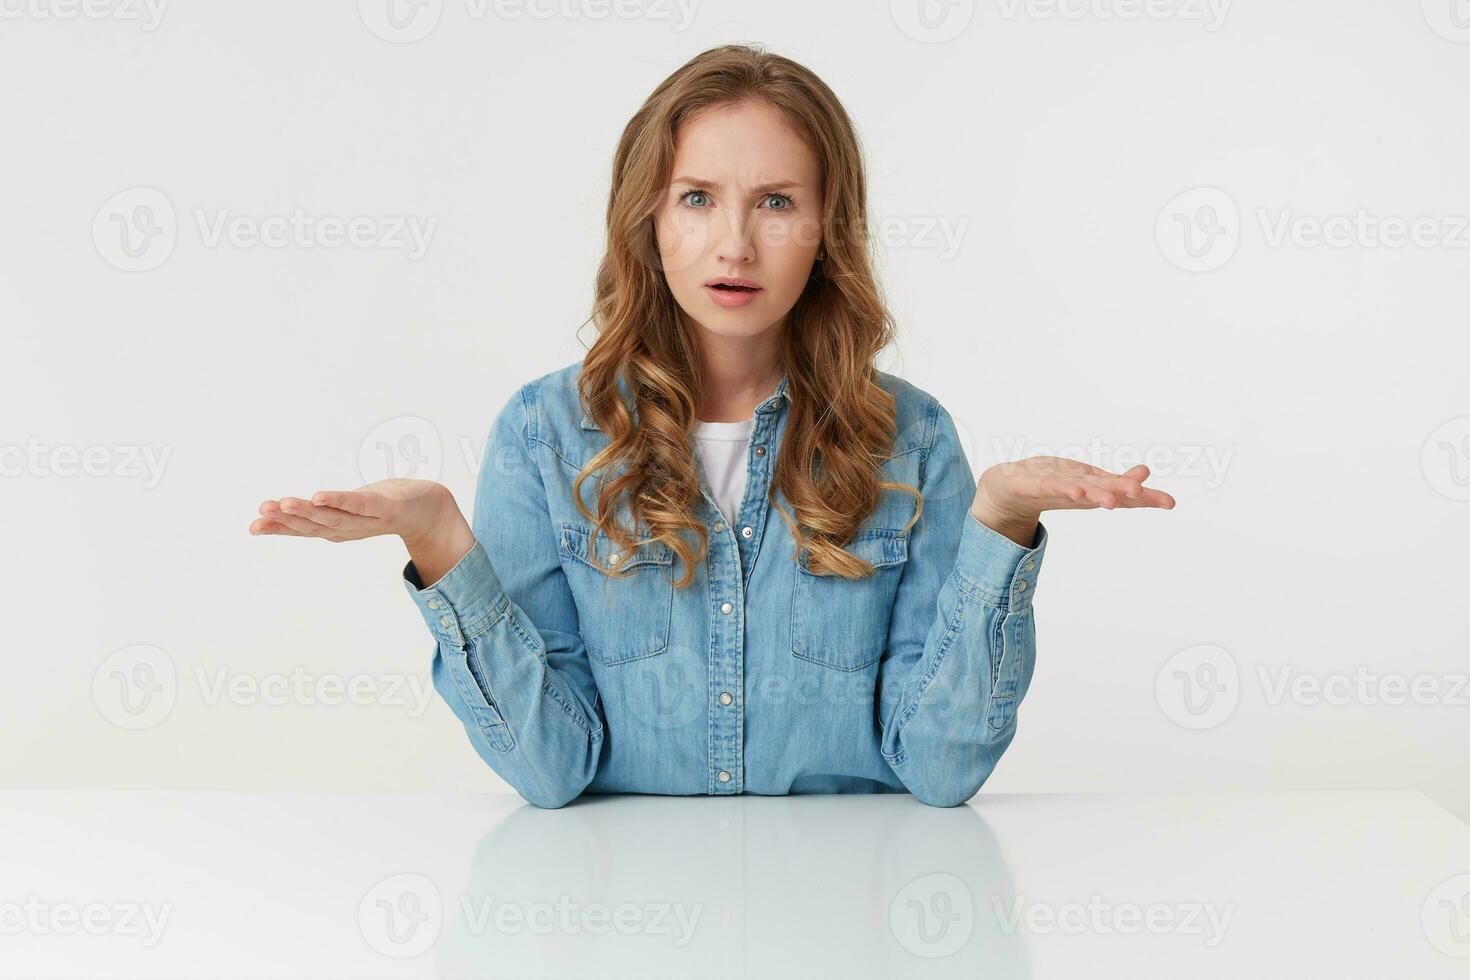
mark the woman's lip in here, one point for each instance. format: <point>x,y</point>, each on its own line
<point>732,297</point>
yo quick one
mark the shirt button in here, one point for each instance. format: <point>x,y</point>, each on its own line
<point>725,698</point>
<point>724,776</point>
<point>1030,565</point>
<point>760,450</point>
<point>444,620</point>
<point>433,604</point>
<point>1021,586</point>
<point>746,532</point>
<point>725,608</point>
<point>719,526</point>
<point>612,559</point>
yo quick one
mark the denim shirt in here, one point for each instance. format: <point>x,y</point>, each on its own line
<point>759,676</point>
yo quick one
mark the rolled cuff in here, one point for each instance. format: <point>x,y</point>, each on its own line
<point>464,602</point>
<point>996,569</point>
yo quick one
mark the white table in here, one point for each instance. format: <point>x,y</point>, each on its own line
<point>194,884</point>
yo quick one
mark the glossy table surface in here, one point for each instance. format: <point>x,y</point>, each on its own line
<point>194,884</point>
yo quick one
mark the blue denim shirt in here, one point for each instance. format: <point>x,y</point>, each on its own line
<point>758,677</point>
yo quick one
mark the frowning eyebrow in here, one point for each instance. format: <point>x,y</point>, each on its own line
<point>779,185</point>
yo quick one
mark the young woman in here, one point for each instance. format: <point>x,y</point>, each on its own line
<point>723,553</point>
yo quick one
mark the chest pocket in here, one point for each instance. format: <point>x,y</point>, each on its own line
<point>843,623</point>
<point>621,618</point>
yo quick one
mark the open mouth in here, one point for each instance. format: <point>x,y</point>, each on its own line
<point>726,287</point>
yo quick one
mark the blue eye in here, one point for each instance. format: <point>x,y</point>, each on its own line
<point>683,201</point>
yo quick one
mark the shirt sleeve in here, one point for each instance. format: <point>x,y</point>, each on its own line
<point>962,641</point>
<point>509,658</point>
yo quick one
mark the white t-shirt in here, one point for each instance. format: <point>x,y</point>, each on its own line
<point>722,448</point>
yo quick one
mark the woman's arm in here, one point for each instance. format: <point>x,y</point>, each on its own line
<point>962,639</point>
<point>508,656</point>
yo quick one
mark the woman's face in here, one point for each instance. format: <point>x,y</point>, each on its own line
<point>745,203</point>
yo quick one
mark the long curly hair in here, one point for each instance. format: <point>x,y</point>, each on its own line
<point>841,423</point>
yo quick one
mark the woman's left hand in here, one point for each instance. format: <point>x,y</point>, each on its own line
<point>1011,497</point>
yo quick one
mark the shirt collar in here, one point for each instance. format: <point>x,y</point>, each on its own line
<point>769,405</point>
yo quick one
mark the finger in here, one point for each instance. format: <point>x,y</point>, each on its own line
<point>1105,498</point>
<point>329,517</point>
<point>265,525</point>
<point>1066,493</point>
<point>350,501</point>
<point>301,525</point>
<point>1121,485</point>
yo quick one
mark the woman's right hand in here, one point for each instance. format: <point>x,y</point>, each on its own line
<point>423,513</point>
<point>415,510</point>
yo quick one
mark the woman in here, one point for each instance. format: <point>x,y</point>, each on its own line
<point>723,553</point>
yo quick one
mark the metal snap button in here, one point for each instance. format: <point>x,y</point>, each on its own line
<point>1030,565</point>
<point>1021,586</point>
<point>726,607</point>
<point>724,776</point>
<point>725,698</point>
<point>444,620</point>
<point>760,450</point>
<point>746,532</point>
<point>719,526</point>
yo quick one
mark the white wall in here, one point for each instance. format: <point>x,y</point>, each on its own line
<point>1027,174</point>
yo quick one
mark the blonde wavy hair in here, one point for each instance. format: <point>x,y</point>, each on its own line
<point>841,423</point>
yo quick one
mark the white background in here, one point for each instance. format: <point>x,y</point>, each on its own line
<point>1026,165</point>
